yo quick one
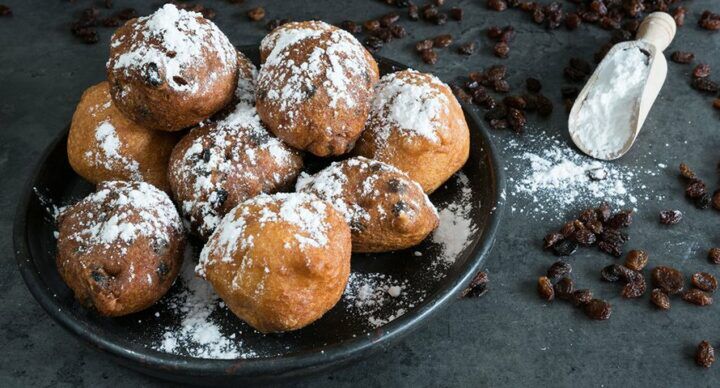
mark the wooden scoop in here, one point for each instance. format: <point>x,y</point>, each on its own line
<point>654,35</point>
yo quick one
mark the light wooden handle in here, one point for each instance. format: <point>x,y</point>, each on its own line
<point>658,29</point>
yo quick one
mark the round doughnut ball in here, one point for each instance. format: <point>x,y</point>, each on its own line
<point>245,90</point>
<point>385,209</point>
<point>103,145</point>
<point>172,69</point>
<point>315,86</point>
<point>417,125</point>
<point>217,166</point>
<point>120,248</point>
<point>279,261</point>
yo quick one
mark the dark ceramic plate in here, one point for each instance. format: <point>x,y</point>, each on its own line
<point>432,274</point>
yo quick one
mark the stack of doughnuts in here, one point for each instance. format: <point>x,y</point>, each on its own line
<point>188,137</point>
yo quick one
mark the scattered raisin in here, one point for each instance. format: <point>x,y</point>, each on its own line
<point>558,270</point>
<point>413,13</point>
<point>670,217</point>
<point>705,85</point>
<point>679,15</point>
<point>429,56</point>
<point>686,172</point>
<point>517,120</point>
<point>545,288</point>
<point>668,279</point>
<point>611,273</point>
<point>564,288</point>
<point>581,297</point>
<point>572,21</point>
<point>425,44</point>
<point>442,41</point>
<point>683,57</point>
<point>256,14</point>
<point>697,297</point>
<point>350,26</point>
<point>660,299</point>
<point>373,43</point>
<point>714,255</point>
<point>704,281</point>
<point>709,21</point>
<point>497,5</point>
<point>636,260</point>
<point>705,355</point>
<point>695,189</point>
<point>634,288</point>
<point>477,287</point>
<point>533,85</point>
<point>598,309</point>
<point>585,237</point>
<point>701,71</point>
<point>5,10</point>
<point>552,239</point>
<point>467,48</point>
<point>622,219</point>
<point>456,13</point>
<point>501,50</point>
<point>389,19</point>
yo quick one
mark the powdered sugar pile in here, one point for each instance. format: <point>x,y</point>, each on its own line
<point>456,225</point>
<point>549,177</point>
<point>183,40</point>
<point>110,154</point>
<point>198,334</point>
<point>605,120</point>
<point>409,102</point>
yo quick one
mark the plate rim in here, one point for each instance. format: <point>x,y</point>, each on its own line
<point>158,363</point>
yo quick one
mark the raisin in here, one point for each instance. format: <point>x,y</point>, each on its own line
<point>598,309</point>
<point>564,288</point>
<point>612,249</point>
<point>697,297</point>
<point>389,19</point>
<point>668,279</point>
<point>517,102</point>
<point>679,15</point>
<point>705,354</point>
<point>533,85</point>
<point>538,16</point>
<point>558,270</point>
<point>613,236</point>
<point>660,299</point>
<point>714,255</point>
<point>517,120</point>
<point>256,14</point>
<point>703,202</point>
<point>604,212</point>
<point>572,21</point>
<point>398,31</point>
<point>499,111</point>
<point>695,189</point>
<point>442,41</point>
<point>461,94</point>
<point>634,288</point>
<point>439,19</point>
<point>622,219</point>
<point>508,33</point>
<point>496,72</point>
<point>716,105</point>
<point>499,124</point>
<point>545,288</point>
<point>350,26</point>
<point>423,45</point>
<point>705,85</point>
<point>569,91</point>
<point>686,172</point>
<point>5,10</point>
<point>501,86</point>
<point>704,281</point>
<point>595,227</point>
<point>477,287</point>
<point>581,65</point>
<point>494,32</point>
<point>683,57</point>
<point>456,13</point>
<point>581,297</point>
<point>574,74</point>
<point>716,194</point>
<point>429,56</point>
<point>585,237</point>
<point>501,50</point>
<point>497,5</point>
<point>636,260</point>
<point>467,48</point>
<point>552,239</point>
<point>670,217</point>
<point>709,21</point>
<point>373,43</point>
<point>545,106</point>
<point>413,13</point>
<point>701,71</point>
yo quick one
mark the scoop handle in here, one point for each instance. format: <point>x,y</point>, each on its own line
<point>658,29</point>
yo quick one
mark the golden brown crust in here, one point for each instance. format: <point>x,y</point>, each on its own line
<point>314,90</point>
<point>120,248</point>
<point>219,165</point>
<point>385,209</point>
<point>279,262</point>
<point>417,125</point>
<point>103,145</point>
<point>171,70</point>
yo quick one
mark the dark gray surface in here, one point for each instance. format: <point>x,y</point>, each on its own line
<point>506,338</point>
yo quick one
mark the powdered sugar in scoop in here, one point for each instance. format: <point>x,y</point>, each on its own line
<point>181,41</point>
<point>410,102</point>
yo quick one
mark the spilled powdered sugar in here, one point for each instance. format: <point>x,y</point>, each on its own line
<point>110,154</point>
<point>548,177</point>
<point>368,296</point>
<point>409,102</point>
<point>183,40</point>
<point>198,335</point>
<point>456,224</point>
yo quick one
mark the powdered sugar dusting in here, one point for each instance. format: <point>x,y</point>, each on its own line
<point>110,152</point>
<point>456,224</point>
<point>379,298</point>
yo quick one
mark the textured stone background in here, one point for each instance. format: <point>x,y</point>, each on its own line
<point>508,337</point>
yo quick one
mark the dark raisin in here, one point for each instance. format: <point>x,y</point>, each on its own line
<point>705,354</point>
<point>456,13</point>
<point>581,65</point>
<point>705,85</point>
<point>517,120</point>
<point>558,270</point>
<point>622,219</point>
<point>695,189</point>
<point>442,40</point>
<point>670,217</point>
<point>716,105</point>
<point>256,14</point>
<point>683,57</point>
<point>703,202</point>
<point>398,31</point>
<point>565,248</point>
<point>598,309</point>
<point>581,297</point>
<point>517,102</point>
<point>634,288</point>
<point>497,5</point>
<point>272,24</point>
<point>162,270</point>
<point>613,249</point>
<point>373,43</point>
<point>686,172</point>
<point>413,13</point>
<point>552,239</point>
<point>636,260</point>
<point>572,21</point>
<point>679,15</point>
<point>152,75</point>
<point>467,48</point>
<point>5,10</point>
<point>533,85</point>
<point>498,112</point>
<point>660,299</point>
<point>496,72</point>
<point>350,26</point>
<point>545,288</point>
<point>494,32</point>
<point>501,50</point>
<point>701,71</point>
<point>704,281</point>
<point>604,212</point>
<point>439,19</point>
<point>568,229</point>
<point>425,44</point>
<point>429,56</point>
<point>538,16</point>
<point>389,19</point>
<point>477,287</point>
<point>668,279</point>
<point>714,255</point>
<point>499,124</point>
<point>545,106</point>
<point>569,91</point>
<point>564,288</point>
<point>709,21</point>
<point>697,297</point>
<point>501,86</point>
<point>585,237</point>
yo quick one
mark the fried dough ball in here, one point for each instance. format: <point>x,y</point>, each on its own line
<point>315,87</point>
<point>120,248</point>
<point>279,261</point>
<point>417,125</point>
<point>217,166</point>
<point>172,69</point>
<point>103,145</point>
<point>385,209</point>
